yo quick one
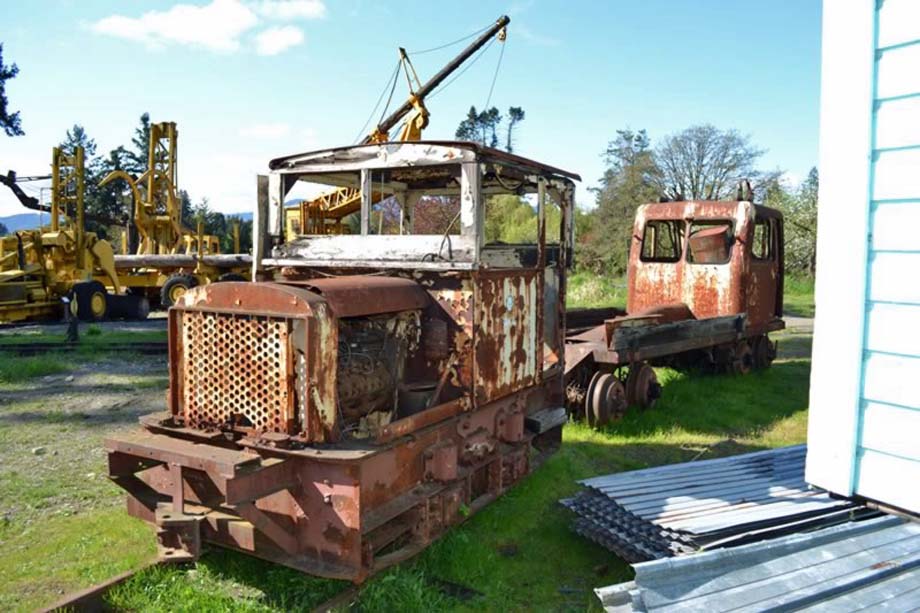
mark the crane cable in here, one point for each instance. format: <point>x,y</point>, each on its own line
<point>446,45</point>
<point>465,68</point>
<point>498,66</point>
<point>391,80</point>
<point>383,113</point>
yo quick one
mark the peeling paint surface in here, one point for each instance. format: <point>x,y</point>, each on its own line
<point>740,285</point>
<point>507,348</point>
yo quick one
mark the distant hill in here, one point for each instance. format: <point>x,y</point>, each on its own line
<point>21,221</point>
<point>28,221</point>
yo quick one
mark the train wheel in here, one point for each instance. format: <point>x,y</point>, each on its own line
<point>744,358</point>
<point>764,352</point>
<point>92,301</point>
<point>605,400</point>
<point>175,287</point>
<point>642,387</point>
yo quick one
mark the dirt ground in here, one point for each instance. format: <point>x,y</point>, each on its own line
<point>52,428</point>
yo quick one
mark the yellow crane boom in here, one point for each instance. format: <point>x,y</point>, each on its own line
<point>334,206</point>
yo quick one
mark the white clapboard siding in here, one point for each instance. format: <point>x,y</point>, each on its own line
<point>896,123</point>
<point>894,328</point>
<point>897,23</point>
<point>888,478</point>
<point>864,415</point>
<point>897,173</point>
<point>892,379</point>
<point>893,277</point>
<point>889,220</point>
<point>891,429</point>
<point>897,72</point>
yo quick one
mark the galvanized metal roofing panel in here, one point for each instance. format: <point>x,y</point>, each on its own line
<point>857,565</point>
<point>669,510</point>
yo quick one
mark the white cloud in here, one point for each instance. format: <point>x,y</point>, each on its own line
<point>291,9</point>
<point>265,130</point>
<point>216,26</point>
<point>275,40</point>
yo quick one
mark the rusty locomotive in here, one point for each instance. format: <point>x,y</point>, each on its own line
<point>705,289</point>
<point>374,388</point>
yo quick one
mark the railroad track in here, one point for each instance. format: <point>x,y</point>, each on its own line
<point>41,348</point>
<point>93,599</point>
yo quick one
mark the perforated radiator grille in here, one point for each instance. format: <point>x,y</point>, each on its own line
<point>234,368</point>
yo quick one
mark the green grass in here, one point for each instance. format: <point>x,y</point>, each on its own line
<point>519,553</point>
<point>588,290</point>
<point>63,527</point>
<point>91,337</point>
<point>799,296</point>
<point>19,369</point>
<point>62,523</point>
<point>46,560</point>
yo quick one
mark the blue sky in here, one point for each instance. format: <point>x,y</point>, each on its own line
<point>251,80</point>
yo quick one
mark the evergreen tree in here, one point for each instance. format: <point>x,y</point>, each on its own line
<point>628,182</point>
<point>483,127</point>
<point>515,116</point>
<point>9,121</point>
<point>137,157</point>
<point>102,201</point>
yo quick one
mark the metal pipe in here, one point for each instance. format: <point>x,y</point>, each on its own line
<point>55,188</point>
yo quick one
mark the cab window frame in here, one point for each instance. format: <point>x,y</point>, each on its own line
<point>757,254</point>
<point>701,224</point>
<point>675,225</point>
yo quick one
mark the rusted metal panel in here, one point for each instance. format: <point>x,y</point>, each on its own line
<point>716,273</point>
<point>507,347</point>
<point>237,371</point>
<point>326,517</point>
<point>353,295</point>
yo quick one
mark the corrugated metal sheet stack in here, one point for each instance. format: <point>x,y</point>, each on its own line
<point>681,508</point>
<point>857,566</point>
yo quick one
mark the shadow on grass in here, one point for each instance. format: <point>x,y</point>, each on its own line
<point>793,346</point>
<point>798,310</point>
<point>109,415</point>
<point>734,406</point>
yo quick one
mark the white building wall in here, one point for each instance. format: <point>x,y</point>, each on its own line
<point>864,417</point>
